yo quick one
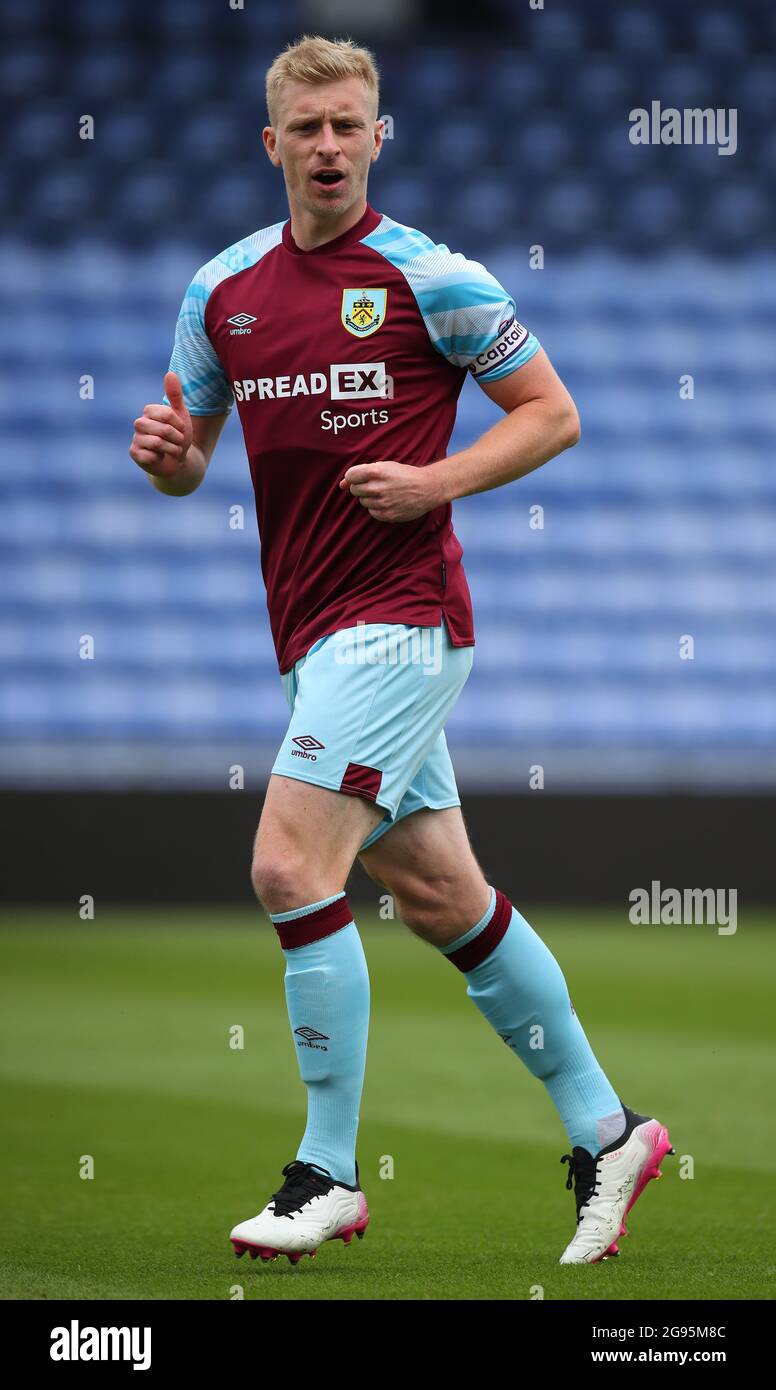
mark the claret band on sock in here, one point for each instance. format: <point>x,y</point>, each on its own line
<point>304,925</point>
<point>476,945</point>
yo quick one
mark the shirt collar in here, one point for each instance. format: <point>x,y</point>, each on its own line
<point>366,224</point>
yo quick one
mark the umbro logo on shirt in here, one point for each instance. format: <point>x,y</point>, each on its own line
<point>241,322</point>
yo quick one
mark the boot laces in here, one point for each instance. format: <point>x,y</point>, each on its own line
<point>583,1170</point>
<point>303,1182</point>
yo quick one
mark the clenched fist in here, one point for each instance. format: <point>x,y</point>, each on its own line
<point>393,491</point>
<point>163,433</point>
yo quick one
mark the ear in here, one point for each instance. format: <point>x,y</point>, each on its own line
<point>269,136</point>
<point>379,137</point>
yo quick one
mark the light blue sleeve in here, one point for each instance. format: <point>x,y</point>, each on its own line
<point>206,389</point>
<point>469,317</point>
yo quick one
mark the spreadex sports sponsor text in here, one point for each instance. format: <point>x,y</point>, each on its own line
<point>344,381</point>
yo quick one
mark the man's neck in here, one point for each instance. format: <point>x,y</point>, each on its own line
<point>310,231</point>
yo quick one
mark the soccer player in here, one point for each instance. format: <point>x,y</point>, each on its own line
<point>345,338</point>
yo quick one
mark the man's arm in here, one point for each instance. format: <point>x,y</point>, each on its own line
<point>541,421</point>
<point>171,445</point>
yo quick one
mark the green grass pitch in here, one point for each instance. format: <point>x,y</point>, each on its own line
<point>116,1045</point>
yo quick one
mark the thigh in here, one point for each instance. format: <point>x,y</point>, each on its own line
<point>315,830</point>
<point>428,855</point>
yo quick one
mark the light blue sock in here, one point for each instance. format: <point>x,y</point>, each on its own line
<point>517,984</point>
<point>327,994</point>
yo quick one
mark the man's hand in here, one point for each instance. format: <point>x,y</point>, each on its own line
<point>163,434</point>
<point>393,491</point>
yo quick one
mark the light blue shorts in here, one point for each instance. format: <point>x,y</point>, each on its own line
<point>368,707</point>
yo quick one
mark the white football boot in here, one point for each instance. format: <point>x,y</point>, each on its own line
<point>606,1187</point>
<point>308,1209</point>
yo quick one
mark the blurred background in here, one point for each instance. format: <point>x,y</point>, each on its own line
<point>647,271</point>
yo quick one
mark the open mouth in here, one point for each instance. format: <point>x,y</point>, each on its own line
<point>328,178</point>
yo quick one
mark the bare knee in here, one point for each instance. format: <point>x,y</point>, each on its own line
<point>279,880</point>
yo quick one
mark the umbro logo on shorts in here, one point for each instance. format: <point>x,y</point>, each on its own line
<point>312,1038</point>
<point>305,744</point>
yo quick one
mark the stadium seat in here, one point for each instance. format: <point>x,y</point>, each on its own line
<point>658,266</point>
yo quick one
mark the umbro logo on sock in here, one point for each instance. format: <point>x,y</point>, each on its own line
<point>311,1038</point>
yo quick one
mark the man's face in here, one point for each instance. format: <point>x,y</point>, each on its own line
<point>325,139</point>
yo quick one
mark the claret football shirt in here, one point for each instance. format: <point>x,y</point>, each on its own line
<point>351,352</point>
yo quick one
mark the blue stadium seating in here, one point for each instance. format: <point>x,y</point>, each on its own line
<point>658,264</point>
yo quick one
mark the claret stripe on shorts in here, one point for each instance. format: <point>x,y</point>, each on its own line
<point>314,926</point>
<point>361,781</point>
<point>476,951</point>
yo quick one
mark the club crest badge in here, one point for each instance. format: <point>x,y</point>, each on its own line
<point>363,311</point>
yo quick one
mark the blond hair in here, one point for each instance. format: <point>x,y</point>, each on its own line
<point>314,59</point>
